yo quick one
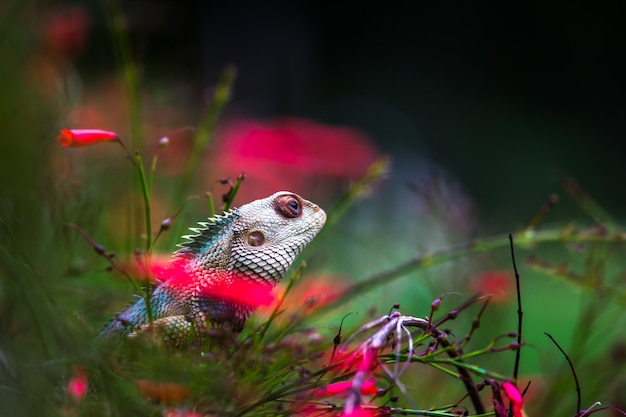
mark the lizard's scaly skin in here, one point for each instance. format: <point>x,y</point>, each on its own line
<point>228,260</point>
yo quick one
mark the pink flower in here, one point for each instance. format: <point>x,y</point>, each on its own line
<point>79,384</point>
<point>85,137</point>
<point>517,402</point>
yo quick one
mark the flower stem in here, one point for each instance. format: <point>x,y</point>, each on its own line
<point>233,192</point>
<point>145,192</point>
<point>155,158</point>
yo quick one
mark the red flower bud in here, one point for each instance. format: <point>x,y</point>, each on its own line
<point>85,137</point>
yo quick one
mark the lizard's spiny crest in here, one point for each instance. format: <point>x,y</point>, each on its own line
<point>210,233</point>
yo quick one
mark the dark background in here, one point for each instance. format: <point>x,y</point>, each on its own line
<point>508,98</point>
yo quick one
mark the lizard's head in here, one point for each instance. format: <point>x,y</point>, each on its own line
<point>269,234</point>
<point>259,240</point>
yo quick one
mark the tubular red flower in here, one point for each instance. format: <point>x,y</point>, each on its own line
<point>515,396</point>
<point>85,137</point>
<point>337,388</point>
<point>367,388</point>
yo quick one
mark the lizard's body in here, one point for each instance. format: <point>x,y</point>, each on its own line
<point>217,272</point>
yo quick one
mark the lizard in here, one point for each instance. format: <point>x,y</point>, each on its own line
<point>217,272</point>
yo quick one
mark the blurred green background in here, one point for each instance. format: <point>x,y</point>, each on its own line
<point>485,110</point>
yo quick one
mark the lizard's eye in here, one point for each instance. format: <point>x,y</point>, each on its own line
<point>256,238</point>
<point>289,206</point>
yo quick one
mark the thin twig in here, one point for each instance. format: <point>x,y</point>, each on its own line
<point>589,205</point>
<point>100,250</point>
<point>553,200</point>
<point>520,313</point>
<point>476,321</point>
<point>338,337</point>
<point>597,410</point>
<point>466,377</point>
<point>571,365</point>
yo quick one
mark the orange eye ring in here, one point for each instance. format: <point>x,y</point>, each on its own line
<point>289,206</point>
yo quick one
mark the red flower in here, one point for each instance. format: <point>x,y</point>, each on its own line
<point>164,392</point>
<point>65,30</point>
<point>242,291</point>
<point>500,285</point>
<point>183,275</point>
<point>85,137</point>
<point>157,267</point>
<point>367,388</point>
<point>336,388</point>
<point>314,292</point>
<point>237,289</point>
<point>303,145</point>
<point>291,153</point>
<point>79,384</point>
<point>515,397</point>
